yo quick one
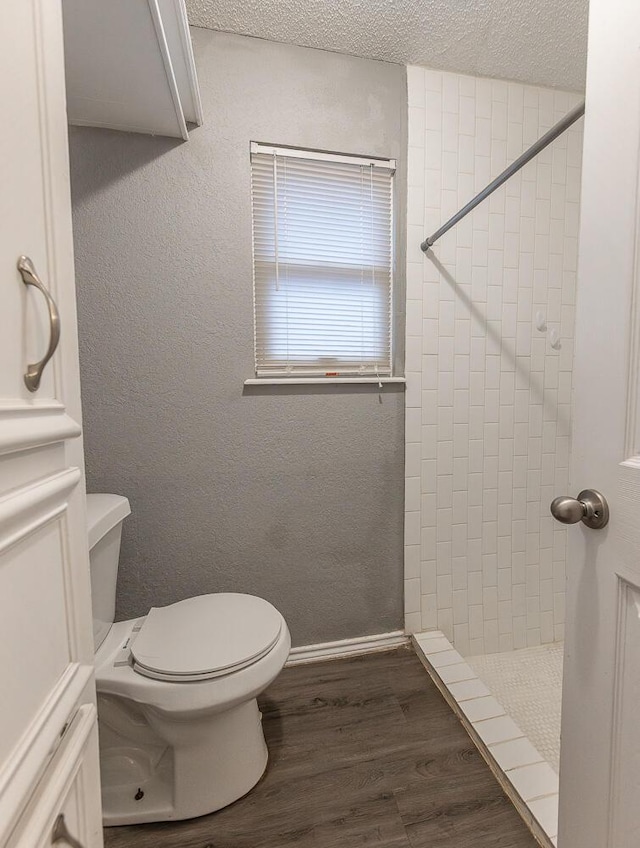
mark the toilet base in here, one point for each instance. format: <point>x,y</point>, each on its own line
<point>184,766</point>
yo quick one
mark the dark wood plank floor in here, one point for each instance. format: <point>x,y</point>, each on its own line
<point>363,752</point>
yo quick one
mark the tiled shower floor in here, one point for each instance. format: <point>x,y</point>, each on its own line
<point>510,706</point>
<point>528,684</point>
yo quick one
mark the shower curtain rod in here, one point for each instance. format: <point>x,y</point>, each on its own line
<point>562,125</point>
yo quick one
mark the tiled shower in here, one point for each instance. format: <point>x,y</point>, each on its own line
<point>490,323</point>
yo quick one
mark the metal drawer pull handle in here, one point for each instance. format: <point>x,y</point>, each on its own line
<point>61,833</point>
<point>30,278</point>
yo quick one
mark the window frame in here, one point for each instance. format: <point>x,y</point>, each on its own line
<point>299,377</point>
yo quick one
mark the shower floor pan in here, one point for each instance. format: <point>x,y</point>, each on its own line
<point>528,684</point>
<point>510,705</point>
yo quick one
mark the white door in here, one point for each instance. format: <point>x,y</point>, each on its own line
<point>600,755</point>
<point>48,737</point>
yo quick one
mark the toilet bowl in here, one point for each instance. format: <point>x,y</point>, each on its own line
<point>180,729</point>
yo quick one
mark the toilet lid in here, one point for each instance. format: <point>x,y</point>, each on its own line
<point>206,636</point>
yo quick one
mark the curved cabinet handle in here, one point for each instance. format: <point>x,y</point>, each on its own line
<point>60,834</point>
<point>30,277</point>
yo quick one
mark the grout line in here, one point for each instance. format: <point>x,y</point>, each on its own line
<point>540,797</point>
<point>522,765</point>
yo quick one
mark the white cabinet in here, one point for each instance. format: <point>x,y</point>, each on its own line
<point>130,66</point>
<point>48,750</point>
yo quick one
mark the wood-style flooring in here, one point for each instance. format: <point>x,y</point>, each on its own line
<point>363,752</point>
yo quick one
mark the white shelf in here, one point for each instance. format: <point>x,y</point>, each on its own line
<point>130,66</point>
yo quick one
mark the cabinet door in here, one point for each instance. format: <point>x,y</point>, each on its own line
<point>62,807</point>
<point>46,652</point>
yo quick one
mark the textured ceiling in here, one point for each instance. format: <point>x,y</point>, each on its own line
<point>543,42</point>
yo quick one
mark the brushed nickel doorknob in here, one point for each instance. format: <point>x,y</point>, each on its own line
<point>590,507</point>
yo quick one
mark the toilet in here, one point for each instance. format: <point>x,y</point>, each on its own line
<point>180,729</point>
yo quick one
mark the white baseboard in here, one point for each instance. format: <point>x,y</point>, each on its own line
<point>347,647</point>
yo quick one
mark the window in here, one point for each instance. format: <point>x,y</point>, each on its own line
<point>323,263</point>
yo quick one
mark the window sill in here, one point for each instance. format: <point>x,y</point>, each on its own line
<point>321,381</point>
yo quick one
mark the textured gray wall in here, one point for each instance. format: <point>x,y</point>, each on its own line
<point>293,494</point>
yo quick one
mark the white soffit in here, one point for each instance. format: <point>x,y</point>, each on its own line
<point>541,42</point>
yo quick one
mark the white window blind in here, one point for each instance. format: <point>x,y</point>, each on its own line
<point>323,263</point>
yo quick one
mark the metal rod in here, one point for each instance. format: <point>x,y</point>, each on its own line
<point>519,163</point>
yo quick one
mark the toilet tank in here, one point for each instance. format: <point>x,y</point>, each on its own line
<point>105,514</point>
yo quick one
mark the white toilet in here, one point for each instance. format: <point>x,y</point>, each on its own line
<point>180,729</point>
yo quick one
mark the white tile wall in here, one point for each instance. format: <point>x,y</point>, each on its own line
<point>488,397</point>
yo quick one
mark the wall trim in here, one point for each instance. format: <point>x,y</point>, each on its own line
<point>323,381</point>
<point>347,647</point>
<point>24,426</point>
<point>26,510</point>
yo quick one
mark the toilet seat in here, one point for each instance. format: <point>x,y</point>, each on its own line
<point>205,637</point>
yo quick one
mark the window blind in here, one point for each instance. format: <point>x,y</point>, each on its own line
<point>323,263</point>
